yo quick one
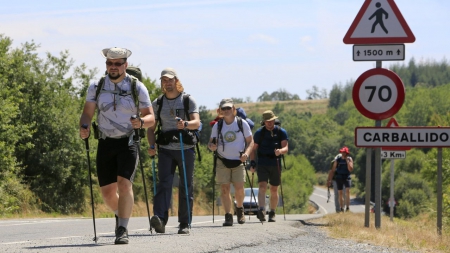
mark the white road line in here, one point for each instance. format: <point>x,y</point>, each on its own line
<point>6,243</point>
<point>65,237</point>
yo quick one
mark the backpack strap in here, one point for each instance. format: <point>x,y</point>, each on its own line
<point>134,93</point>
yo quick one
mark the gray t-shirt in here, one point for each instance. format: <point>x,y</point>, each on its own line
<point>172,108</point>
<point>115,122</point>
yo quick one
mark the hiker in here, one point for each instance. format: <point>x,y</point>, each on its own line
<point>342,167</point>
<point>335,189</point>
<point>234,145</point>
<point>172,119</point>
<point>117,156</point>
<point>271,142</point>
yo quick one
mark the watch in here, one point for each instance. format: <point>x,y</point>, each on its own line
<point>186,124</point>
<point>142,122</point>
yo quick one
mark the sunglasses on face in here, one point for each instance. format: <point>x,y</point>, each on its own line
<point>226,108</point>
<point>117,64</point>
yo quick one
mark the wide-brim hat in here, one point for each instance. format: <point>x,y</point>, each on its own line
<point>169,72</point>
<point>344,150</point>
<point>116,53</point>
<point>268,116</point>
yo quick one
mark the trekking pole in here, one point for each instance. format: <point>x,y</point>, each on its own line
<point>281,186</point>
<point>251,191</point>
<point>214,177</point>
<point>328,194</point>
<point>136,138</point>
<point>185,176</point>
<point>90,182</point>
<point>153,172</point>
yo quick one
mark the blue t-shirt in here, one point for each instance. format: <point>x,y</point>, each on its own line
<point>269,142</point>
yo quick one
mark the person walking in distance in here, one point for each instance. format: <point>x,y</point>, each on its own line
<point>335,189</point>
<point>234,145</point>
<point>117,156</point>
<point>342,167</point>
<point>172,117</point>
<point>271,142</point>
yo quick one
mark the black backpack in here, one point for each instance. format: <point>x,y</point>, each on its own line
<point>190,136</point>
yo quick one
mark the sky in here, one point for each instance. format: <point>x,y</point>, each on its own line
<point>222,48</point>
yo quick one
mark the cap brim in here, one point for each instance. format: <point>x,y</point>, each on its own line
<point>226,104</point>
<point>167,75</point>
<point>273,118</point>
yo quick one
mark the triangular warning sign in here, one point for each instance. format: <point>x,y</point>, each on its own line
<point>392,123</point>
<point>379,22</point>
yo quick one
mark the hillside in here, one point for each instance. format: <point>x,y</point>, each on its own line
<point>318,106</point>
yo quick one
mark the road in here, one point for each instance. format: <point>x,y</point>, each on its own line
<point>75,235</point>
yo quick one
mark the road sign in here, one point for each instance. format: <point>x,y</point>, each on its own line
<point>424,137</point>
<point>386,154</point>
<point>378,93</point>
<point>379,22</point>
<point>385,52</point>
<point>393,123</point>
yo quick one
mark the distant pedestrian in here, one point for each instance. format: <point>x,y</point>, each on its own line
<point>271,142</point>
<point>343,167</point>
<point>335,189</point>
<point>234,145</point>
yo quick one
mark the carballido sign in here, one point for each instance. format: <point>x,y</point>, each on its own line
<point>402,137</point>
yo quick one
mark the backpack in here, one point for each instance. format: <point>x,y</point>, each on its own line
<point>263,133</point>
<point>190,136</point>
<point>219,130</point>
<point>241,113</point>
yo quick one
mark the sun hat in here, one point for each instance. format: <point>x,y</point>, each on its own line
<point>269,115</point>
<point>116,53</point>
<point>169,72</point>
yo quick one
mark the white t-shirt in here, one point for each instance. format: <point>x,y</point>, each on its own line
<point>233,139</point>
<point>116,123</point>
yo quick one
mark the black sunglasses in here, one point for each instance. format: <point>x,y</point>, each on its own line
<point>226,108</point>
<point>117,64</point>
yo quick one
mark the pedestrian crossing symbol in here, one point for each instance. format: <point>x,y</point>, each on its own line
<point>379,22</point>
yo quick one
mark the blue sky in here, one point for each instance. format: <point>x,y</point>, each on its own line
<point>222,48</point>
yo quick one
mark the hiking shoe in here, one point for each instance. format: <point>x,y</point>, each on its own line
<point>347,209</point>
<point>272,216</point>
<point>240,215</point>
<point>121,236</point>
<point>228,220</point>
<point>184,229</point>
<point>156,223</point>
<point>261,215</point>
<point>342,210</point>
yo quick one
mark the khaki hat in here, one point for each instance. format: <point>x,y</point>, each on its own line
<point>226,102</point>
<point>116,53</point>
<point>269,115</point>
<point>169,72</point>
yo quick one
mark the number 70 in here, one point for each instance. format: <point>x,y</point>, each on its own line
<point>380,93</point>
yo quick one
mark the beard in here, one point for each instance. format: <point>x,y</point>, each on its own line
<point>114,76</point>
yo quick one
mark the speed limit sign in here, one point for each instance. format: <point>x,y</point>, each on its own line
<point>378,93</point>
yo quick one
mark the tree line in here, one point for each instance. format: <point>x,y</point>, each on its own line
<point>43,164</point>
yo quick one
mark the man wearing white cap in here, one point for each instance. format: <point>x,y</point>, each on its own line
<point>173,118</point>
<point>270,143</point>
<point>117,156</point>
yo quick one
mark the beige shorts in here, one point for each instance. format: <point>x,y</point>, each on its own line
<point>225,175</point>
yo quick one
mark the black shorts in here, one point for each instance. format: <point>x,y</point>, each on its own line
<point>269,174</point>
<point>341,182</point>
<point>116,158</point>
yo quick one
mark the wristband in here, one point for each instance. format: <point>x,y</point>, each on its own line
<point>186,124</point>
<point>253,163</point>
<point>152,147</point>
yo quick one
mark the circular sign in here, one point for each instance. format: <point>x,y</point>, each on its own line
<point>378,93</point>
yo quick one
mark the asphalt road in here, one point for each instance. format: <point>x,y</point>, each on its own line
<point>295,234</point>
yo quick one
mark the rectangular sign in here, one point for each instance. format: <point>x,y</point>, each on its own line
<point>402,137</point>
<point>382,52</point>
<point>386,154</point>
